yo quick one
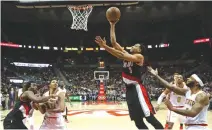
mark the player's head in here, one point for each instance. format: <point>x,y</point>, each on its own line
<point>53,84</point>
<point>179,79</point>
<point>194,81</point>
<point>30,86</point>
<point>175,76</point>
<point>137,48</point>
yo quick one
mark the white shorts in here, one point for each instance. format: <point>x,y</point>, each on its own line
<point>173,117</point>
<point>53,123</point>
<point>195,127</point>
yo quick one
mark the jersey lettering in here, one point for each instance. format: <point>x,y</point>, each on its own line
<point>190,102</point>
<point>127,64</point>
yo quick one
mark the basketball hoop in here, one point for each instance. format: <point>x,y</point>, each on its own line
<point>80,16</point>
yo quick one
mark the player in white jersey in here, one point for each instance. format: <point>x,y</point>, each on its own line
<point>53,118</point>
<point>197,101</point>
<point>63,89</point>
<point>178,101</point>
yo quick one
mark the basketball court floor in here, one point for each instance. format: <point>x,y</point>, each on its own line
<point>98,116</point>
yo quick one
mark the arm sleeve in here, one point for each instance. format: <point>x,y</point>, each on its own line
<point>160,99</point>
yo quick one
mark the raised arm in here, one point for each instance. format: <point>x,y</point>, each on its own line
<point>201,101</point>
<point>171,87</point>
<point>113,38</point>
<point>117,53</point>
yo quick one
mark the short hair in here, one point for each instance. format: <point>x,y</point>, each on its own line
<point>176,74</point>
<point>27,86</point>
<point>143,49</point>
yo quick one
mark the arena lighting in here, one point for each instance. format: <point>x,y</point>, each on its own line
<point>39,47</point>
<point>203,40</point>
<point>16,81</point>
<point>89,49</point>
<point>55,48</point>
<point>29,46</point>
<point>149,46</point>
<point>20,46</point>
<point>81,48</point>
<point>37,65</point>
<point>9,44</point>
<point>97,48</point>
<point>71,49</point>
<point>102,49</point>
<point>45,47</point>
<point>162,45</point>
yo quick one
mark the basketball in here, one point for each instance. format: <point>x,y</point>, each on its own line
<point>113,14</point>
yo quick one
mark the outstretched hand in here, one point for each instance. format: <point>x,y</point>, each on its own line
<point>101,42</point>
<point>152,71</point>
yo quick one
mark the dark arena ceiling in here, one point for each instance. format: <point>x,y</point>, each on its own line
<point>48,23</point>
<point>138,11</point>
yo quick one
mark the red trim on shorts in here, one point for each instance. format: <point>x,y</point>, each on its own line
<point>26,107</point>
<point>143,89</point>
<point>146,98</point>
<point>130,77</point>
<point>50,117</point>
<point>178,106</point>
<point>196,124</point>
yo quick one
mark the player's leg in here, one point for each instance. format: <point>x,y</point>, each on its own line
<point>154,122</point>
<point>12,123</point>
<point>171,117</point>
<point>181,120</point>
<point>136,117</point>
<point>134,108</point>
<point>65,115</point>
<point>146,106</point>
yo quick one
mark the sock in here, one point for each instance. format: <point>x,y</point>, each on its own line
<point>181,126</point>
<point>166,126</point>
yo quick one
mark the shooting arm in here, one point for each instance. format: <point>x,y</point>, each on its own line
<point>113,39</point>
<point>171,87</point>
<point>201,101</point>
<point>123,55</point>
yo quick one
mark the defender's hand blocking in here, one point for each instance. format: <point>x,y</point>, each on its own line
<point>101,42</point>
<point>152,71</point>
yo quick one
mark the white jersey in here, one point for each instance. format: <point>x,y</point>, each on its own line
<point>200,118</point>
<point>63,90</point>
<point>177,100</point>
<point>52,120</point>
<point>52,114</point>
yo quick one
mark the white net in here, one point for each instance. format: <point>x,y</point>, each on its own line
<point>80,16</point>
